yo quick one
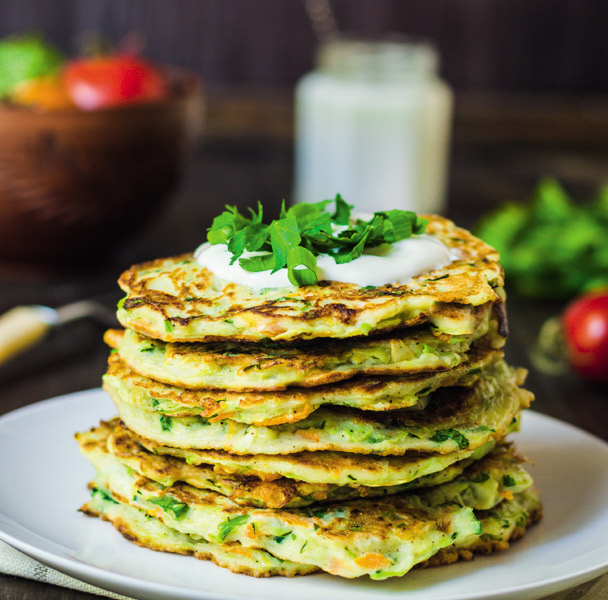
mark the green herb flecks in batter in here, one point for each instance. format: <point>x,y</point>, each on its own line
<point>451,434</point>
<point>107,498</point>
<point>170,505</point>
<point>225,527</point>
<point>303,232</point>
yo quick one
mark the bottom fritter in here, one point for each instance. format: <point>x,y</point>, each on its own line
<point>506,522</point>
<point>148,532</point>
<point>481,509</point>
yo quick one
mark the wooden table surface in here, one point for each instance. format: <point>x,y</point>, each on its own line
<point>241,169</point>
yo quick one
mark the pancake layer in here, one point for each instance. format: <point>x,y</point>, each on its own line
<point>456,418</point>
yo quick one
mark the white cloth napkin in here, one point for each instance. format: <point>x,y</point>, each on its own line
<point>13,562</point>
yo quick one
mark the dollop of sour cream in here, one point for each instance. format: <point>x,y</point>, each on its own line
<point>390,263</point>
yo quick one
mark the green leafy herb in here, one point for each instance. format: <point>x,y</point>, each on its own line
<point>303,232</point>
<point>551,247</point>
<point>451,434</point>
<point>170,505</point>
<point>97,492</point>
<point>168,326</point>
<point>301,266</point>
<point>279,539</point>
<point>508,481</point>
<point>225,527</point>
<point>479,478</point>
<point>165,423</point>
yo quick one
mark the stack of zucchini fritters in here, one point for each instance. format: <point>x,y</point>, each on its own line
<point>354,430</point>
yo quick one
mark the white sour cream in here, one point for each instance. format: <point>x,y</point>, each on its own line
<point>391,263</point>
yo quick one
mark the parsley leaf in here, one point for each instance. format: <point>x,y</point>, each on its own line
<point>225,527</point>
<point>302,266</point>
<point>442,435</point>
<point>551,246</point>
<point>508,481</point>
<point>479,478</point>
<point>105,496</point>
<point>170,505</point>
<point>279,539</point>
<point>342,214</point>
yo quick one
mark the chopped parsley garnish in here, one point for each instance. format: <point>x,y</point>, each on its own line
<point>303,232</point>
<point>170,505</point>
<point>225,527</point>
<point>165,423</point>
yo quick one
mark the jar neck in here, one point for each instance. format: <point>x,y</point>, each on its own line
<point>408,60</point>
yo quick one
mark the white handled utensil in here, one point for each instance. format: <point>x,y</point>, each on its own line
<point>24,326</point>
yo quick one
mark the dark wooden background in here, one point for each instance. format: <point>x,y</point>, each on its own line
<point>532,45</point>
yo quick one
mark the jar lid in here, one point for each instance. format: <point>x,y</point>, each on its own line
<point>385,59</point>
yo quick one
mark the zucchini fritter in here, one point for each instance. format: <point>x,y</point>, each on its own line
<point>175,299</point>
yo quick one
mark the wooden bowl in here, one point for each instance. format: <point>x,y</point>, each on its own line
<point>74,184</point>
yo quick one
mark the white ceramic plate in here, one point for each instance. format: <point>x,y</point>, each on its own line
<point>44,482</point>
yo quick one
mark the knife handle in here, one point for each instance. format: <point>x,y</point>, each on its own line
<point>22,327</point>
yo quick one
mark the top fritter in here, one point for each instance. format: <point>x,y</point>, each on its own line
<point>177,299</point>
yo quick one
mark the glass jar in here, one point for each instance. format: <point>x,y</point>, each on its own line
<point>373,124</point>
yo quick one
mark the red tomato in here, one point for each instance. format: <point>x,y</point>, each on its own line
<point>585,323</point>
<point>111,80</point>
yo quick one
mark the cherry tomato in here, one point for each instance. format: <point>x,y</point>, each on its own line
<point>113,80</point>
<point>585,323</point>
